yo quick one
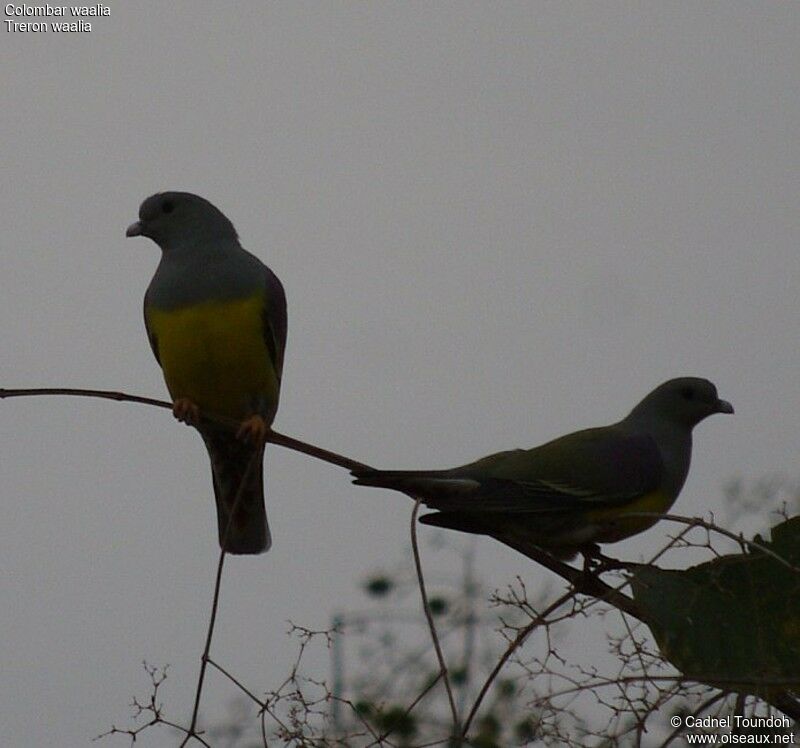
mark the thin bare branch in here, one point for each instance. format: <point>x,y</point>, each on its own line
<point>236,682</point>
<point>273,437</point>
<point>515,644</point>
<point>431,625</point>
<point>206,650</point>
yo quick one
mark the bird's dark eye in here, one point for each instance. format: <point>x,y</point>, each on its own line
<point>687,393</point>
<point>167,206</point>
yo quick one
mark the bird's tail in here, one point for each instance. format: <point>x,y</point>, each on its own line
<point>434,485</point>
<point>237,469</point>
<point>461,521</point>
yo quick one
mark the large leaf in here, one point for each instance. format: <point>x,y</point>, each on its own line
<point>733,622</point>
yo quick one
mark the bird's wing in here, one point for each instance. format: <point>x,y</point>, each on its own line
<point>151,335</point>
<point>273,318</point>
<point>586,470</point>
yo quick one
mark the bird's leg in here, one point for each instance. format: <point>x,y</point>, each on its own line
<point>595,561</point>
<point>589,558</point>
<point>253,429</point>
<point>186,411</point>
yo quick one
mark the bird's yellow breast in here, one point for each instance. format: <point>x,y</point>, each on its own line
<point>214,354</point>
<point>616,525</point>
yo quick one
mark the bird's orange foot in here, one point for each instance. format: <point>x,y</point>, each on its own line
<point>186,411</point>
<point>253,429</point>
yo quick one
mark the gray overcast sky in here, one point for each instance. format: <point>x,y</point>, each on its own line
<point>495,223</point>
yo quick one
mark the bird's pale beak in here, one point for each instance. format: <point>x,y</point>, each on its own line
<point>135,229</point>
<point>723,406</point>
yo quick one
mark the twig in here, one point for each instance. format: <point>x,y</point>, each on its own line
<point>419,697</point>
<point>583,581</point>
<point>253,464</point>
<point>274,437</point>
<point>431,625</point>
<point>236,682</point>
<point>312,450</point>
<point>521,636</point>
<point>204,659</point>
<point>711,527</point>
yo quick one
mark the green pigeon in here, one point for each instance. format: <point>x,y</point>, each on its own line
<point>216,319</point>
<point>580,489</point>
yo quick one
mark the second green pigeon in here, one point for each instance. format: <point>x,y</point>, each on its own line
<point>598,485</point>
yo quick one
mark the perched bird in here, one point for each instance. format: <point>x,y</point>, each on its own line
<point>216,319</point>
<point>577,490</point>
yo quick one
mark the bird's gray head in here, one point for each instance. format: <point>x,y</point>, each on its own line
<point>685,401</point>
<point>173,219</point>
